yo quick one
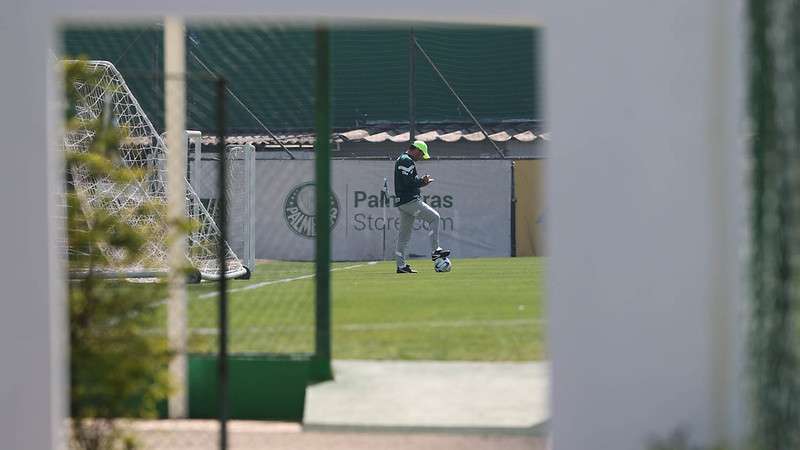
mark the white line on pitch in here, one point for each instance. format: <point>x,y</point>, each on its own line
<point>438,324</point>
<point>283,280</point>
<point>382,326</point>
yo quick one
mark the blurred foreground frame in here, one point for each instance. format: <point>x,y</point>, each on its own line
<point>34,369</point>
<point>774,81</point>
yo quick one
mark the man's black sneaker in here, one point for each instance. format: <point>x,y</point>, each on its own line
<point>439,253</point>
<point>406,269</point>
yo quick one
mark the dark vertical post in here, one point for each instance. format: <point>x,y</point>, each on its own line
<point>513,211</point>
<point>222,360</point>
<point>412,86</point>
<point>321,365</point>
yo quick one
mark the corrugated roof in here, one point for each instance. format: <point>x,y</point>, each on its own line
<point>502,132</point>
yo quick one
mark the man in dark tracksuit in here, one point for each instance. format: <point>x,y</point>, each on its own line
<point>411,206</point>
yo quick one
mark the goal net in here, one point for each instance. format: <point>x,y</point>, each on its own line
<point>143,148</point>
<point>240,168</point>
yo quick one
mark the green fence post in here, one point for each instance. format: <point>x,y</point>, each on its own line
<point>321,363</point>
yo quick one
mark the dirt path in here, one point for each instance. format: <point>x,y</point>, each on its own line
<point>203,435</point>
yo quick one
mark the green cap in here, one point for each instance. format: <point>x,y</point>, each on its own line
<point>423,147</point>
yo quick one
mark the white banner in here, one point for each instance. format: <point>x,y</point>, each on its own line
<point>473,198</point>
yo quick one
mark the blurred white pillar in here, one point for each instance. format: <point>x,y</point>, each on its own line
<point>175,112</point>
<point>646,306</point>
<point>32,287</point>
<point>647,222</point>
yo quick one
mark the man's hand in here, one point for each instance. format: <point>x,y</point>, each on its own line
<point>426,180</point>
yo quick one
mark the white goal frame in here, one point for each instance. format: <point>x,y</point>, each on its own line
<point>112,93</point>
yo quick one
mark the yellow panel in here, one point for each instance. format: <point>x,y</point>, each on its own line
<point>530,219</point>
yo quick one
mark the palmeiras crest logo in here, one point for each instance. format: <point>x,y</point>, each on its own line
<point>299,210</point>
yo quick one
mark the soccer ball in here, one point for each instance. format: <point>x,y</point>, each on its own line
<point>442,265</point>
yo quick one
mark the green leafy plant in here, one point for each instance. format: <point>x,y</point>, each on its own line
<point>118,365</point>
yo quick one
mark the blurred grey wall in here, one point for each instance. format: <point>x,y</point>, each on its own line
<point>646,316</point>
<point>646,191</point>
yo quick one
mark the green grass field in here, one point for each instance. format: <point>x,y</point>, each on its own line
<point>487,309</point>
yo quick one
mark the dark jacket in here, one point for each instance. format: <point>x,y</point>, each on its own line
<point>406,180</point>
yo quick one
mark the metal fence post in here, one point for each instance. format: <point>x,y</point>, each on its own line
<point>321,364</point>
<point>223,280</point>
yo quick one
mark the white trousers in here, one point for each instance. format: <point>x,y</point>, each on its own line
<point>415,209</point>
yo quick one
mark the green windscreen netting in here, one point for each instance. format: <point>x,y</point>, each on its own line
<point>493,69</point>
<point>775,115</point>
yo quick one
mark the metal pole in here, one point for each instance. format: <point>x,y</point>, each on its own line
<point>412,87</point>
<point>223,279</point>
<point>250,177</point>
<point>321,365</point>
<point>461,102</point>
<point>175,111</point>
<point>384,204</point>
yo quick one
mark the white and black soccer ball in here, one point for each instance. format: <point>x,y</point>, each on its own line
<point>442,265</point>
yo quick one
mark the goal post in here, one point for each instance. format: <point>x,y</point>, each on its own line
<point>143,148</point>
<point>240,162</point>
<point>241,167</point>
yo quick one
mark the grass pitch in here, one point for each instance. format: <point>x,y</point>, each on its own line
<point>486,309</point>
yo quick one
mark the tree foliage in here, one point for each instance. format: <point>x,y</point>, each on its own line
<point>118,356</point>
